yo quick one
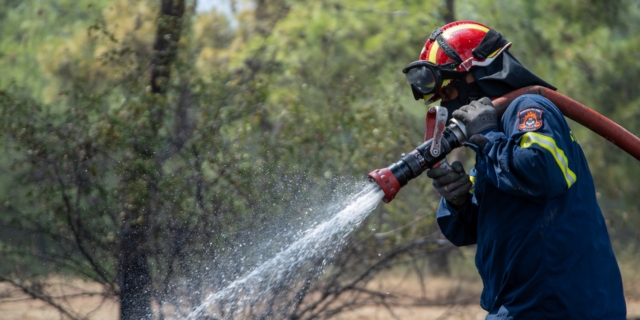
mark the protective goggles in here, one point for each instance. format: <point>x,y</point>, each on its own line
<point>426,78</point>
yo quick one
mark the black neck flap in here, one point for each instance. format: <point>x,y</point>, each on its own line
<point>491,42</point>
<point>448,50</point>
<point>504,75</point>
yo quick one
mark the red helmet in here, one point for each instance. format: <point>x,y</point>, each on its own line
<point>453,46</point>
<point>462,36</point>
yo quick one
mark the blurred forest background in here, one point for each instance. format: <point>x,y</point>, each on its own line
<point>145,143</point>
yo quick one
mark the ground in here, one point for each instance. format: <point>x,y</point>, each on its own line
<point>462,293</point>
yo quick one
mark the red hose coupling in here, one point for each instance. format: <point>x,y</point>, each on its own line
<point>387,182</point>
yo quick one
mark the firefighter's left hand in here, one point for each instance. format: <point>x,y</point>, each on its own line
<point>478,116</point>
<point>453,185</point>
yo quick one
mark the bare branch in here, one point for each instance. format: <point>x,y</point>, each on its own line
<point>35,294</point>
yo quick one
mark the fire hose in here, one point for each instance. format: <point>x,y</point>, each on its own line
<point>424,157</point>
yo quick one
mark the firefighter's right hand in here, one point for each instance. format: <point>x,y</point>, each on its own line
<point>453,185</point>
<point>478,116</point>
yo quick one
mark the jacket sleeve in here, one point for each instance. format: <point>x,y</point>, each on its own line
<point>460,226</point>
<point>531,155</point>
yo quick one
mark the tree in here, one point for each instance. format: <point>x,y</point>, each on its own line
<point>133,270</point>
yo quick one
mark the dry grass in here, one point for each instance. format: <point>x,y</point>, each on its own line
<point>457,298</point>
<point>16,305</point>
<point>21,309</point>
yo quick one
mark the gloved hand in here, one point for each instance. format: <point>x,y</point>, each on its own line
<point>453,185</point>
<point>477,116</point>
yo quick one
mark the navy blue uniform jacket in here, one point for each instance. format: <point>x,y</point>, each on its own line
<point>543,248</point>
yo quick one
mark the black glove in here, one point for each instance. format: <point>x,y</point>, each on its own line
<point>453,185</point>
<point>477,116</point>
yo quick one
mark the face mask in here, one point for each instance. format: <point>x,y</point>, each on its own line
<point>467,92</point>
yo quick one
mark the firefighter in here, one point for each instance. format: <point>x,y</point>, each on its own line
<point>529,203</point>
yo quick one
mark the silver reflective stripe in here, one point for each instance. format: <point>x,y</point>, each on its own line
<point>547,143</point>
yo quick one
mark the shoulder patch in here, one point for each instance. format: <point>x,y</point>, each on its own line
<point>530,119</point>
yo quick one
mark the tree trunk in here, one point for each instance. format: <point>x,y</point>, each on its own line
<point>449,13</point>
<point>165,45</point>
<point>134,278</point>
<point>133,275</point>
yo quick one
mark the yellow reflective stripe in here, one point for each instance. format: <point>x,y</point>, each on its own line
<point>472,179</point>
<point>434,49</point>
<point>494,53</point>
<point>453,29</point>
<point>547,143</point>
<point>473,186</point>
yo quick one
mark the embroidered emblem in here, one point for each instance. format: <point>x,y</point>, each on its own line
<point>530,119</point>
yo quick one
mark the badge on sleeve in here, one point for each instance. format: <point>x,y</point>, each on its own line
<point>530,119</point>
